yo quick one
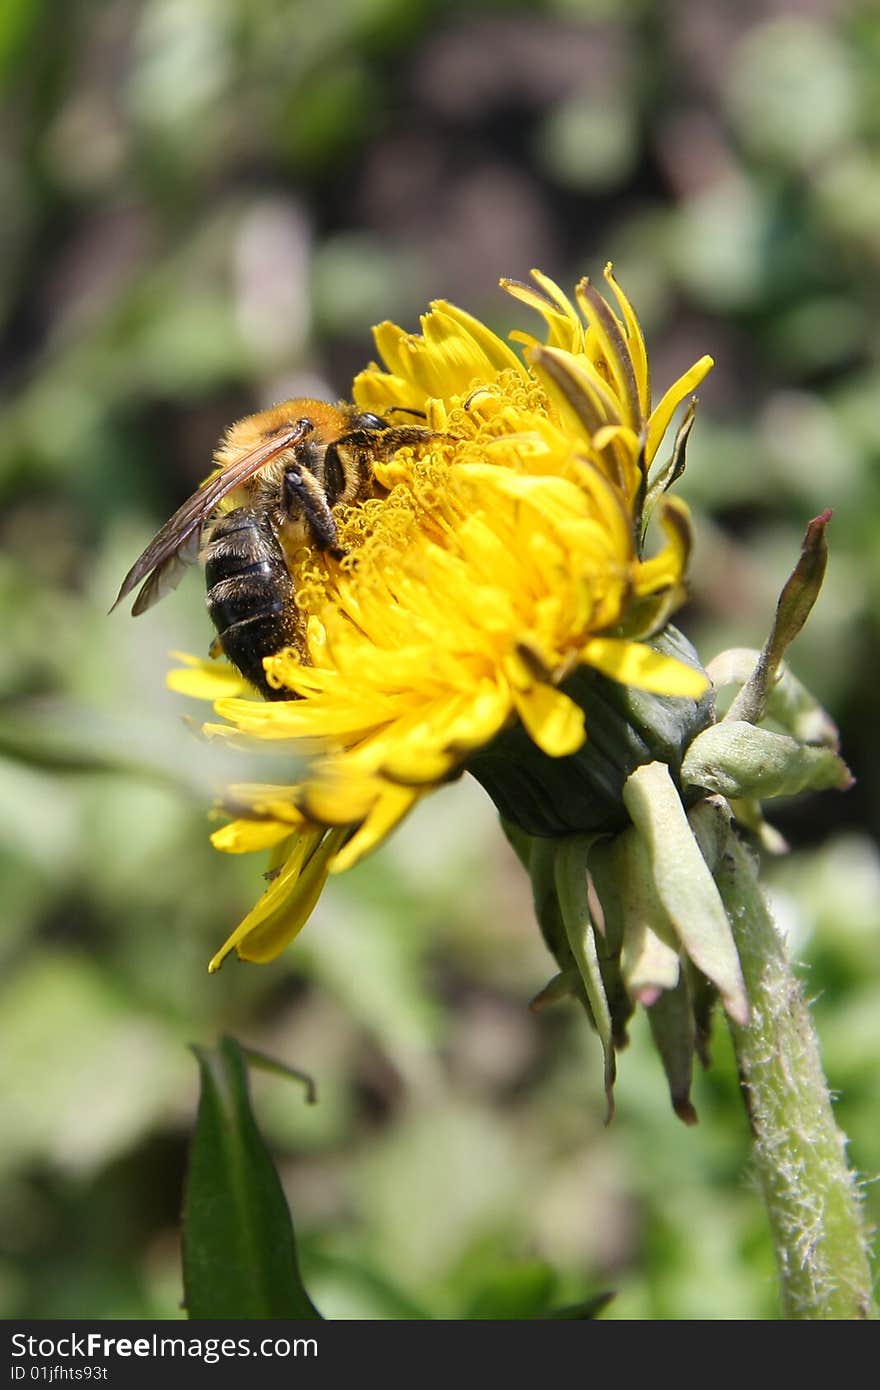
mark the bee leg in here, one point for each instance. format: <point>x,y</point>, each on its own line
<point>302,493</point>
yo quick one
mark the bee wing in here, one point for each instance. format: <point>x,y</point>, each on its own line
<point>167,573</point>
<point>176,546</point>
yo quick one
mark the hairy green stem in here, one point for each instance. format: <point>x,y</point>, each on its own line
<point>811,1195</point>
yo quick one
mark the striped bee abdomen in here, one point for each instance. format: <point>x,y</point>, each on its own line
<point>250,594</point>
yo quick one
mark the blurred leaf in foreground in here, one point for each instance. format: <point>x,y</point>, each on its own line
<point>239,1250</point>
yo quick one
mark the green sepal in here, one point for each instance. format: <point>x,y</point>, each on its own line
<point>684,883</point>
<point>649,950</point>
<point>737,759</point>
<point>669,472</point>
<point>710,822</point>
<point>750,816</point>
<point>650,965</point>
<point>239,1248</point>
<point>537,857</point>
<point>671,1018</point>
<point>704,997</point>
<point>609,939</point>
<point>570,862</point>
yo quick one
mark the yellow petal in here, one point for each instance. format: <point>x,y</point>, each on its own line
<point>606,331</point>
<point>379,391</point>
<point>635,341</point>
<point>631,663</point>
<point>387,813</point>
<point>390,341</point>
<point>288,902</point>
<point>659,421</point>
<point>339,798</point>
<point>205,680</point>
<point>494,349</point>
<point>564,328</point>
<point>667,568</point>
<point>553,721</point>
<point>580,394</point>
<point>246,836</point>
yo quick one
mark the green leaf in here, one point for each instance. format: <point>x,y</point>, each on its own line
<point>260,1061</point>
<point>239,1250</point>
<point>518,1290</point>
<point>583,1312</point>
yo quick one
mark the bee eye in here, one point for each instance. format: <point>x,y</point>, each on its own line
<point>370,422</point>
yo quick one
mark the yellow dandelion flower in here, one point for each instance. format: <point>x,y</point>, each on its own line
<point>490,597</point>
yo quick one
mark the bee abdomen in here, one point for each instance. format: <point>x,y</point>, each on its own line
<point>250,594</point>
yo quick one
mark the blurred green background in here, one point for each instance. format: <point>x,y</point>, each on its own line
<point>206,203</point>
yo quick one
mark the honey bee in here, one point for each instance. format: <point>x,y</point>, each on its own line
<point>290,466</point>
